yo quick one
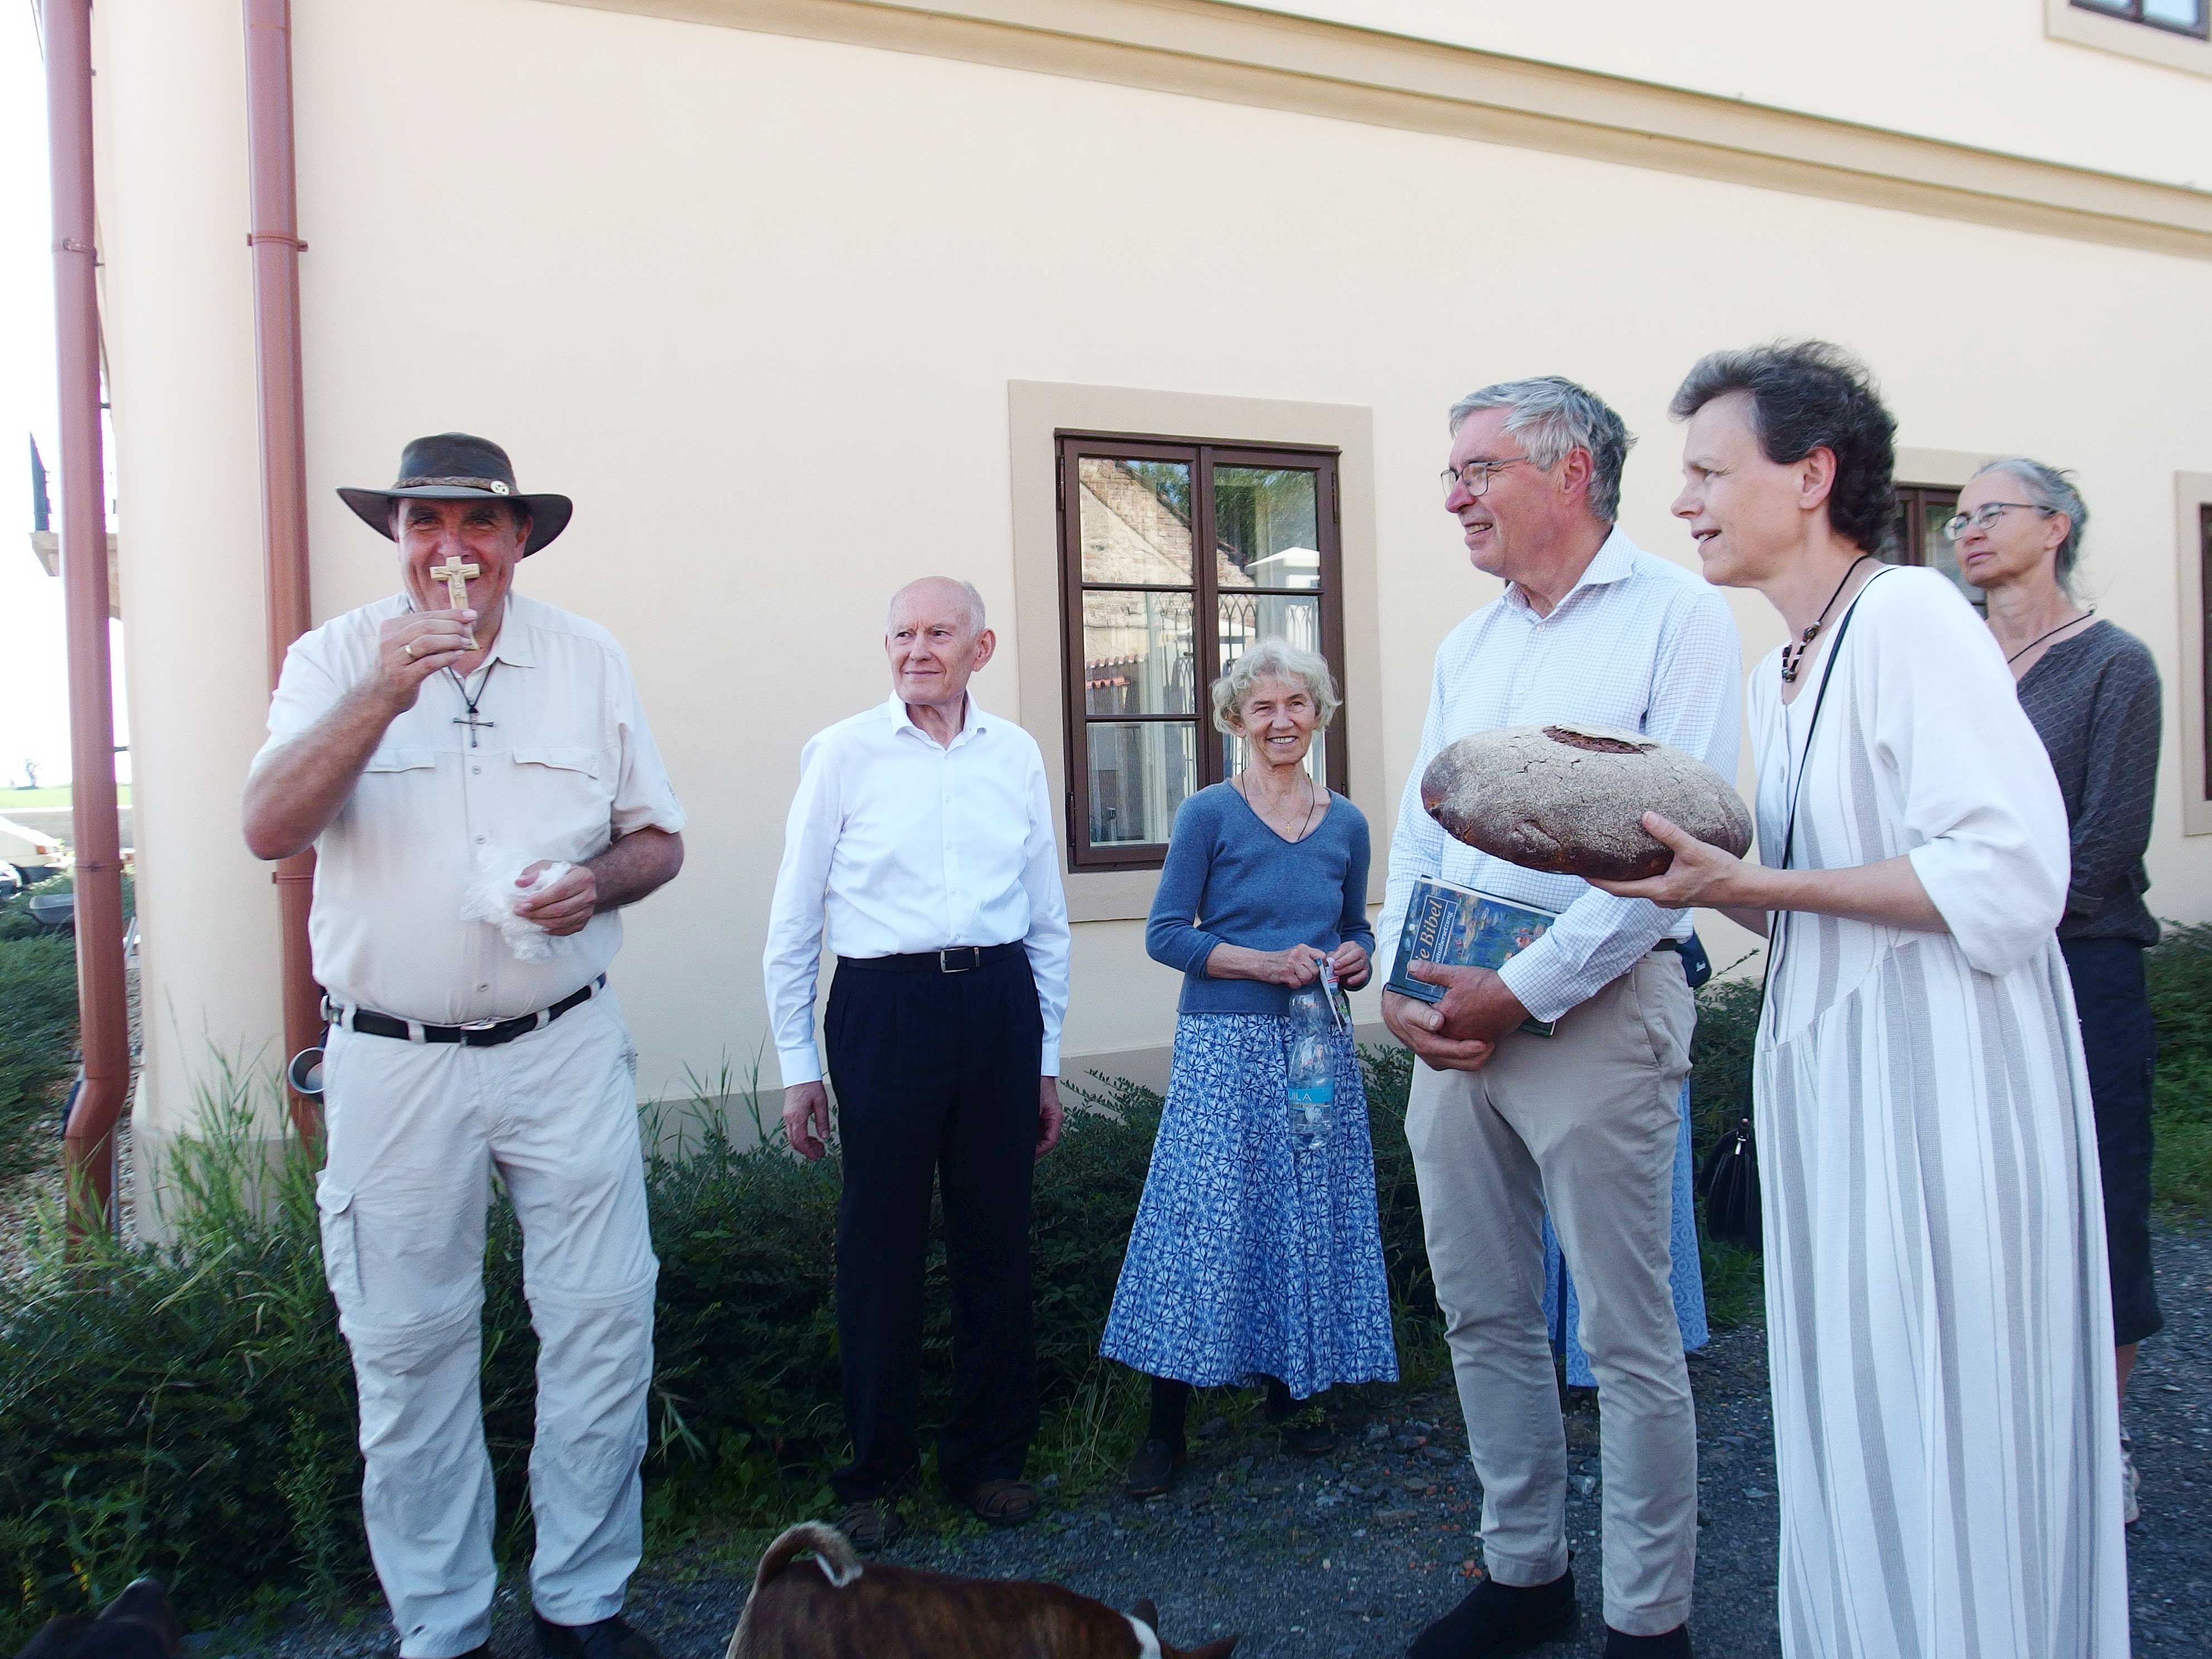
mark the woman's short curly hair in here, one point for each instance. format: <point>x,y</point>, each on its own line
<point>1274,659</point>
<point>1808,395</point>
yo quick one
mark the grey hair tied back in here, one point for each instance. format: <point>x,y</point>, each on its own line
<point>2052,490</point>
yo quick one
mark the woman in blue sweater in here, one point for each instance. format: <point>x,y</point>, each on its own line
<point>1252,1259</point>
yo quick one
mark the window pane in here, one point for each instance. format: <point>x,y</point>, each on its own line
<point>1135,520</point>
<point>1936,511</point>
<point>1896,548</point>
<point>1137,653</point>
<point>2178,13</point>
<point>1246,618</point>
<point>1264,526</point>
<point>1235,756</point>
<point>1139,775</point>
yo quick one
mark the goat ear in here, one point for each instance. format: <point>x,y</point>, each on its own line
<point>1146,1613</point>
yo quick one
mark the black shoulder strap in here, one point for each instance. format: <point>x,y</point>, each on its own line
<point>1805,759</point>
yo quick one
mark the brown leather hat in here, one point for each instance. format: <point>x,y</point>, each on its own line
<point>452,466</point>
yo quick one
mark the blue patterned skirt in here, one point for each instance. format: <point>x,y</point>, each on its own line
<point>1250,1257</point>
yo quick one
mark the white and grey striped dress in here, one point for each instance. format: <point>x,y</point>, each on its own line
<point>1939,1321</point>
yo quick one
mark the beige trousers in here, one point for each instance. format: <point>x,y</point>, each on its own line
<point>1584,1121</point>
<point>415,1132</point>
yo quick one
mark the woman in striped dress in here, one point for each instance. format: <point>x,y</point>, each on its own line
<point>1939,1324</point>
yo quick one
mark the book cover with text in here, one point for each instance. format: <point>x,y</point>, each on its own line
<point>1463,928</point>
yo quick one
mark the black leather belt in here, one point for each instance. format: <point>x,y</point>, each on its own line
<point>953,959</point>
<point>476,1034</point>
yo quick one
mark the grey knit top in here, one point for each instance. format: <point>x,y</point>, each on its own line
<point>2093,700</point>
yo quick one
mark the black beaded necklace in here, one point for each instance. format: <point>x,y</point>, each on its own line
<point>1793,656</point>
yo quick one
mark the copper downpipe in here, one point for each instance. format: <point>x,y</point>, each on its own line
<point>275,241</point>
<point>104,1025</point>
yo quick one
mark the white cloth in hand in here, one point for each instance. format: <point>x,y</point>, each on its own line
<point>493,895</point>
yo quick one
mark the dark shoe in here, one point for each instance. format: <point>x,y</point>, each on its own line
<point>1001,1503</point>
<point>611,1638</point>
<point>1668,1644</point>
<point>1152,1470</point>
<point>872,1524</point>
<point>1498,1619</point>
<point>1307,1433</point>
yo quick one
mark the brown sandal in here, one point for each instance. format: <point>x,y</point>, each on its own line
<point>1001,1503</point>
<point>872,1524</point>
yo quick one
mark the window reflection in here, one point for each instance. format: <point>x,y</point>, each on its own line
<point>1265,527</point>
<point>1139,773</point>
<point>1136,521</point>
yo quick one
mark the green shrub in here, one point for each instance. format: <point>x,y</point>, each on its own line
<point>2180,973</point>
<point>37,1025</point>
<point>179,1411</point>
<point>37,1041</point>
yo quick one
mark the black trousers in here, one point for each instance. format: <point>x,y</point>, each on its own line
<point>2120,1041</point>
<point>936,1076</point>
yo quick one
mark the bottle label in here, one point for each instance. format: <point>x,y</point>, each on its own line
<point>1313,1094</point>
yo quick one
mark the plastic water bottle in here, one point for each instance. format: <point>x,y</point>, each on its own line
<point>1313,1077</point>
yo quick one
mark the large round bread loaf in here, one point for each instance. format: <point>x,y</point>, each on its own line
<point>1572,798</point>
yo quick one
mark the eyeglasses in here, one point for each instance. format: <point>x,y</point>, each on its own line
<point>1987,514</point>
<point>1475,477</point>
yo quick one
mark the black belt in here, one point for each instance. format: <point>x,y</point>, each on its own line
<point>953,959</point>
<point>476,1034</point>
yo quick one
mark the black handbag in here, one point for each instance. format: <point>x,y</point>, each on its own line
<point>1729,1178</point>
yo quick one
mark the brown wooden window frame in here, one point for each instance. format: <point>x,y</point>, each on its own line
<point>1914,500</point>
<point>2131,11</point>
<point>2204,605</point>
<point>1203,455</point>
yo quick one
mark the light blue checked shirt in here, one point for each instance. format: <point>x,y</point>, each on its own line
<point>1639,643</point>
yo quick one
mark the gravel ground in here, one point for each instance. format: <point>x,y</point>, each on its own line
<point>1348,1556</point>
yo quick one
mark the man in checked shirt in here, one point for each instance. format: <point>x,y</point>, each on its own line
<point>1592,630</point>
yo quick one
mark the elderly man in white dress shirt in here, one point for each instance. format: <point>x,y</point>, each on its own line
<point>1502,1122</point>
<point>921,836</point>
<point>403,736</point>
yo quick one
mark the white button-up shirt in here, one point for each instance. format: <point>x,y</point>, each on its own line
<point>1638,643</point>
<point>901,845</point>
<point>566,765</point>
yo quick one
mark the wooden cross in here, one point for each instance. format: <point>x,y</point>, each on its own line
<point>455,575</point>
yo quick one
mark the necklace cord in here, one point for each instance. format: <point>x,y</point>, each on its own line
<point>1791,659</point>
<point>2039,638</point>
<point>1313,804</point>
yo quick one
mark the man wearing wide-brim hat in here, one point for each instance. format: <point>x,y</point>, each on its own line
<point>416,743</point>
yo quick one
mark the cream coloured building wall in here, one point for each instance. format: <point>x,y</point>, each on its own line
<point>1989,73</point>
<point>756,299</point>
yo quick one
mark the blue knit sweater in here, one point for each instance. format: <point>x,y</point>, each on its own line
<point>1230,879</point>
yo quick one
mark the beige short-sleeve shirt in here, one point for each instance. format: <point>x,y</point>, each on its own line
<point>567,765</point>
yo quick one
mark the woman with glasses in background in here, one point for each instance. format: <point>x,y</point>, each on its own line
<point>2091,689</point>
